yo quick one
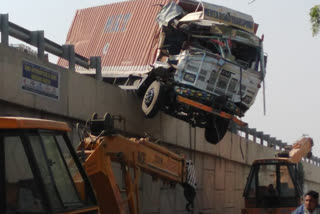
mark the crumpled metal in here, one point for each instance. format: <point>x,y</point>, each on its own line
<point>168,12</point>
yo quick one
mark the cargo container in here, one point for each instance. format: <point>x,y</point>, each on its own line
<point>199,62</point>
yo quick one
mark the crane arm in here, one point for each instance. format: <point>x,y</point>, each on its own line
<point>149,157</point>
<point>138,154</point>
<point>300,149</point>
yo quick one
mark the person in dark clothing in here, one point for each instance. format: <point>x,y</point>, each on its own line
<point>310,205</point>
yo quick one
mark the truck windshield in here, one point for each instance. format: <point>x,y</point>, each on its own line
<point>244,54</point>
<point>240,53</point>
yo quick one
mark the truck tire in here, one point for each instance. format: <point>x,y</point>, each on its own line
<point>152,99</point>
<point>215,129</point>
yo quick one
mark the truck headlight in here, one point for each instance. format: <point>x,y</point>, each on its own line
<point>189,77</point>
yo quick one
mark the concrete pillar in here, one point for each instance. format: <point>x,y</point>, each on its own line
<point>95,62</point>
<point>254,134</point>
<point>272,141</point>
<point>69,54</point>
<point>37,39</point>
<point>4,28</point>
<point>267,139</point>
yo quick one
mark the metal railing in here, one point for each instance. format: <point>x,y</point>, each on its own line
<point>268,141</point>
<point>37,39</point>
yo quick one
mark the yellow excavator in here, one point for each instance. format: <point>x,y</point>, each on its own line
<point>41,172</point>
<point>274,186</point>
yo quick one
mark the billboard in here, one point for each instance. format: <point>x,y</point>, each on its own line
<point>40,80</point>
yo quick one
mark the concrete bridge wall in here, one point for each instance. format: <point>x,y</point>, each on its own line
<point>221,169</point>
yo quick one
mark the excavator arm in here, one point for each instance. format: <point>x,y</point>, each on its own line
<point>301,149</point>
<point>98,152</point>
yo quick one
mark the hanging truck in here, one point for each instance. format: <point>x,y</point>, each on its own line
<point>199,62</point>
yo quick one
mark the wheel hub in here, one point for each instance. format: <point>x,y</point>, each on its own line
<point>149,97</point>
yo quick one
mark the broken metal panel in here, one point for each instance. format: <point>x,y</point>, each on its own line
<point>217,14</point>
<point>192,17</point>
<point>168,12</point>
<point>220,14</point>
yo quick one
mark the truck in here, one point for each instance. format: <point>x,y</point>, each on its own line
<point>196,61</point>
<point>41,172</point>
<point>275,185</point>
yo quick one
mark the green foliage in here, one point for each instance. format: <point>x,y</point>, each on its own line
<point>315,19</point>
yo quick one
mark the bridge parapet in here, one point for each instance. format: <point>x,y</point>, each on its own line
<point>37,39</point>
<point>265,140</point>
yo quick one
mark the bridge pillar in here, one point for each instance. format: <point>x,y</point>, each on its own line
<point>95,62</point>
<point>68,53</point>
<point>37,39</point>
<point>4,28</point>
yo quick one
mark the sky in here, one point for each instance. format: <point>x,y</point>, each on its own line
<point>293,74</point>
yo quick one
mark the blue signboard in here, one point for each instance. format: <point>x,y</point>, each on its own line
<point>40,80</point>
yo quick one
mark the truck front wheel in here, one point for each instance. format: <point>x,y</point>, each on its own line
<point>152,99</point>
<point>215,129</point>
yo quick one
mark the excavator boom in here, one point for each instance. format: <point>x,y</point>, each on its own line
<point>104,147</point>
<point>300,149</point>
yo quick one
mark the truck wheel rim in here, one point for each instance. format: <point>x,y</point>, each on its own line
<point>149,97</point>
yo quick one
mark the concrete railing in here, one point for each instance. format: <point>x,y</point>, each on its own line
<point>268,141</point>
<point>37,39</point>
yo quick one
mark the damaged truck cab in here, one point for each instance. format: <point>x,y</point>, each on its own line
<point>208,68</point>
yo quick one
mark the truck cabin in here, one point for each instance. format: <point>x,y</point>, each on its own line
<point>273,184</point>
<point>40,172</point>
<point>239,52</point>
<point>193,29</point>
<point>213,55</point>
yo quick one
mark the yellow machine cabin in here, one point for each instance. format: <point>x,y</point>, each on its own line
<point>40,171</point>
<point>274,185</point>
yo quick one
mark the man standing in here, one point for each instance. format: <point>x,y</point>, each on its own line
<point>310,205</point>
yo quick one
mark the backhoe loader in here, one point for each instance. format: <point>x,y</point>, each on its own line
<point>41,172</point>
<point>274,186</point>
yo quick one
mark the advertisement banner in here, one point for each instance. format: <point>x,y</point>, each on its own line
<point>40,80</point>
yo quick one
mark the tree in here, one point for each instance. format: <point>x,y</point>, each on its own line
<point>315,19</point>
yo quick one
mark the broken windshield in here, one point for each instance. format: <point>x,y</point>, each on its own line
<point>234,51</point>
<point>183,31</point>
